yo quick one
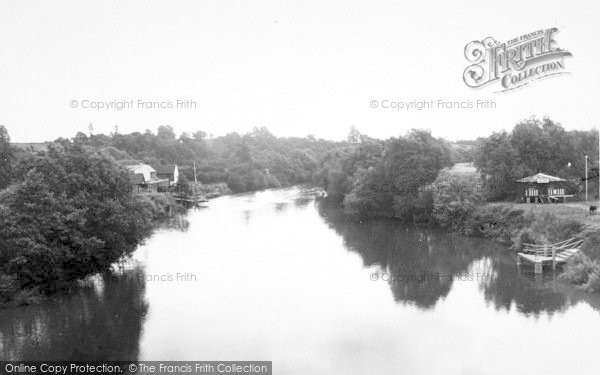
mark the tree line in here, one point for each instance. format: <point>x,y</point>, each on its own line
<point>533,146</point>
<point>69,211</point>
<point>408,177</point>
<point>245,162</point>
<point>66,213</point>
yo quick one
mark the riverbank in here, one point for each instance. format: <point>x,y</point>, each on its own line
<point>69,213</point>
<point>516,224</point>
<point>325,264</point>
<point>156,208</point>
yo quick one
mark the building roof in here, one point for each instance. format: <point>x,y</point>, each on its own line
<point>136,179</point>
<point>165,169</point>
<point>142,169</point>
<point>541,178</point>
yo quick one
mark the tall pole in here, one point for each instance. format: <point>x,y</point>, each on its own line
<point>195,179</point>
<point>586,178</point>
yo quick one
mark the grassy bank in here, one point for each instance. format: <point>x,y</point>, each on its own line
<point>516,224</point>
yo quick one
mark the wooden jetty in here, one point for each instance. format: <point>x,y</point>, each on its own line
<point>552,254</point>
<point>189,199</point>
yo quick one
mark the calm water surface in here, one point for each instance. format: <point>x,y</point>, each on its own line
<point>276,276</point>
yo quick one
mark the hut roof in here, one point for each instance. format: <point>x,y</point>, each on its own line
<point>541,178</point>
<point>142,169</point>
<point>136,179</point>
<point>165,169</point>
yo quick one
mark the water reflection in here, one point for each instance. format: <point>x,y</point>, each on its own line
<point>422,265</point>
<point>281,206</point>
<point>101,320</point>
<point>292,285</point>
<point>176,222</point>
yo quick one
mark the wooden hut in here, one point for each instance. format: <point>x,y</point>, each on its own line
<point>169,172</point>
<point>143,177</point>
<point>543,188</point>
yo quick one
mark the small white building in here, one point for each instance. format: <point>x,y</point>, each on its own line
<point>145,178</point>
<point>169,172</point>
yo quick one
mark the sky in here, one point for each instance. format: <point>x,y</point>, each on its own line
<point>296,67</point>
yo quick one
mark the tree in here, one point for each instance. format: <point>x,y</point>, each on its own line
<point>354,135</point>
<point>72,215</point>
<point>455,197</point>
<point>498,163</point>
<point>6,158</point>
<point>166,132</point>
<point>80,138</point>
<point>199,135</point>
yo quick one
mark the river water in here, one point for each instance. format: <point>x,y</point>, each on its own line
<point>277,276</point>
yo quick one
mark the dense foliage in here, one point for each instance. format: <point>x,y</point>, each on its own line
<point>6,156</point>
<point>69,215</point>
<point>69,212</point>
<point>455,197</point>
<point>252,161</point>
<point>536,146</point>
<point>383,178</point>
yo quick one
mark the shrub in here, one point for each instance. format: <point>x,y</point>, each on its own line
<point>578,270</point>
<point>455,197</point>
<point>593,283</point>
<point>591,246</point>
<point>72,215</point>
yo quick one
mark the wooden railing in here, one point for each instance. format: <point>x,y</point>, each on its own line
<point>551,249</point>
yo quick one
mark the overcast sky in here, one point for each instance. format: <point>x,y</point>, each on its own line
<point>296,67</point>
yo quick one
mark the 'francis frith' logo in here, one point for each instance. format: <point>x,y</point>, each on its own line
<point>514,63</point>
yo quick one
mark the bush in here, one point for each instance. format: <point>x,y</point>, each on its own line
<point>591,246</point>
<point>578,270</point>
<point>593,284</point>
<point>157,205</point>
<point>555,229</point>
<point>72,215</point>
<point>583,271</point>
<point>499,222</point>
<point>455,197</point>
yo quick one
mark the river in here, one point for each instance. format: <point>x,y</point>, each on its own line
<point>278,276</point>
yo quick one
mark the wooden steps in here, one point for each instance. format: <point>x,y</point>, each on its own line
<point>540,255</point>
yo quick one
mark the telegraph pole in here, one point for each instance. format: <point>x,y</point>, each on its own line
<point>586,178</point>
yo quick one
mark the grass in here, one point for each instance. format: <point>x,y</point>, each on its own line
<point>584,269</point>
<point>574,210</point>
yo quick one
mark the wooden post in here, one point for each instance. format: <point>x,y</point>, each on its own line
<point>554,258</point>
<point>537,267</point>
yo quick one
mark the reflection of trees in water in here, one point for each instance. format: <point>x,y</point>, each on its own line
<point>421,264</point>
<point>303,201</point>
<point>434,259</point>
<point>177,222</point>
<point>281,207</point>
<point>247,214</point>
<point>98,322</point>
<point>531,294</point>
